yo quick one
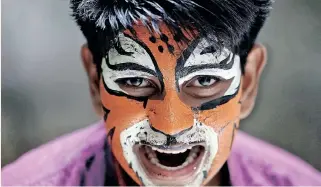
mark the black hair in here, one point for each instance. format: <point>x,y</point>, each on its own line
<point>229,23</point>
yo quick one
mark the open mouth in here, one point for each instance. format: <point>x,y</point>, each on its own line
<point>162,165</point>
<point>167,160</point>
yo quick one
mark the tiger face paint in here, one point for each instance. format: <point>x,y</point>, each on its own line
<point>170,109</point>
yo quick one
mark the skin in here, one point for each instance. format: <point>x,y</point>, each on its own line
<point>227,115</point>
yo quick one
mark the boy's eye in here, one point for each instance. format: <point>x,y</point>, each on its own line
<point>137,82</point>
<point>137,86</point>
<point>203,81</point>
<point>203,86</point>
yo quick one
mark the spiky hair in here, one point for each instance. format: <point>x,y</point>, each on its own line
<point>232,23</point>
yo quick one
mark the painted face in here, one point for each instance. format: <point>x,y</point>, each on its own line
<point>171,108</point>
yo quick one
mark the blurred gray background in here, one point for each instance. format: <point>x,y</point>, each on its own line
<point>45,92</point>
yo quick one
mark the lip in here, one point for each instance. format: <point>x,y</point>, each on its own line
<point>142,134</point>
<point>175,147</point>
<point>162,176</point>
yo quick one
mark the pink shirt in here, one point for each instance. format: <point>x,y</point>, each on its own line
<point>80,158</point>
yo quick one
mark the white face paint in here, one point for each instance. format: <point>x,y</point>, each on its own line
<point>197,59</point>
<point>142,133</point>
<point>138,55</point>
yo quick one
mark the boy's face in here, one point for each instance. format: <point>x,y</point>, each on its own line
<point>171,109</point>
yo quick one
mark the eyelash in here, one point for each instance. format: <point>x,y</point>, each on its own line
<point>123,81</point>
<point>217,79</point>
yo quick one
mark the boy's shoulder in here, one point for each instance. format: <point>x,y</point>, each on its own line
<point>61,159</point>
<point>255,162</point>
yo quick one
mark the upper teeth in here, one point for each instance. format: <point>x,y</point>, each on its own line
<point>153,158</point>
<point>168,151</point>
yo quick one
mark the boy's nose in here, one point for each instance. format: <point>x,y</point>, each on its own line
<point>170,115</point>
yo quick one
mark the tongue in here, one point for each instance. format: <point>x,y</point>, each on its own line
<point>172,160</point>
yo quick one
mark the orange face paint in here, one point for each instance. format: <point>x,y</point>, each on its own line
<point>166,101</point>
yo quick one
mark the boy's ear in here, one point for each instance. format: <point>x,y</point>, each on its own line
<point>254,66</point>
<point>93,79</point>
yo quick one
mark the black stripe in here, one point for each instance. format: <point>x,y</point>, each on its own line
<point>82,179</point>
<point>111,133</point>
<point>134,66</point>
<point>158,72</point>
<point>89,162</point>
<point>182,60</point>
<point>174,135</point>
<point>222,65</point>
<point>225,179</point>
<point>122,94</point>
<point>209,49</point>
<point>225,64</point>
<point>110,173</point>
<point>130,66</point>
<point>170,139</point>
<point>145,103</point>
<point>106,112</point>
<point>120,50</point>
<point>217,102</point>
<point>182,71</point>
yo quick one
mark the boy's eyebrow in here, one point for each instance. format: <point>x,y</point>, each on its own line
<point>131,66</point>
<point>131,54</point>
<point>225,64</point>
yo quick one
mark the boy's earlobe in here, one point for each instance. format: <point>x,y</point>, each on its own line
<point>93,79</point>
<point>254,66</point>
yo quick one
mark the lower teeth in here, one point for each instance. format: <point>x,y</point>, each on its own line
<point>191,157</point>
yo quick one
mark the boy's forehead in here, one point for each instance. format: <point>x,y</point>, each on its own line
<point>163,39</point>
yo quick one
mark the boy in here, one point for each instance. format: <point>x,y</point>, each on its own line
<point>171,79</point>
